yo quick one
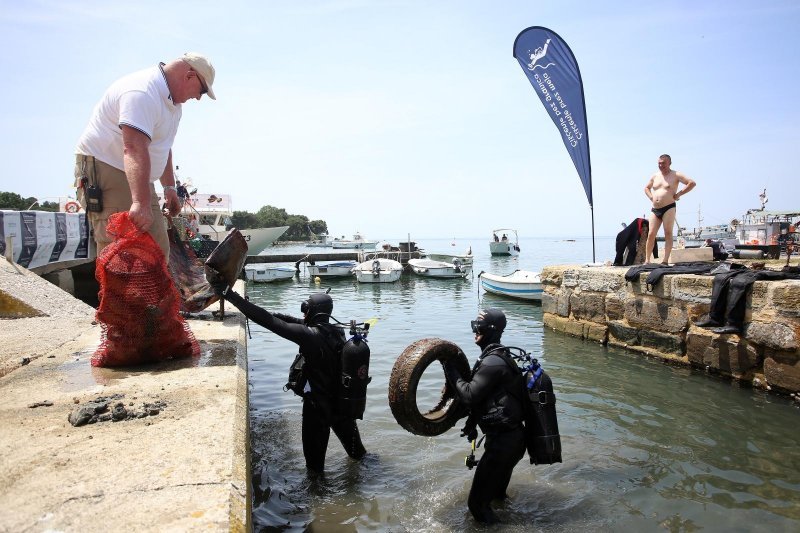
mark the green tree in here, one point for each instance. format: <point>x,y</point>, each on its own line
<point>12,200</point>
<point>297,228</point>
<point>318,227</point>
<point>244,220</point>
<point>269,216</point>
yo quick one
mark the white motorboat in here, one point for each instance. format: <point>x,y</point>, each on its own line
<point>378,270</point>
<point>725,233</point>
<point>267,273</point>
<point>465,258</point>
<point>331,269</point>
<point>503,244</point>
<point>439,269</point>
<point>209,215</point>
<point>358,242</point>
<point>520,284</point>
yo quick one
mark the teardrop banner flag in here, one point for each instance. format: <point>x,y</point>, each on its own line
<point>550,66</point>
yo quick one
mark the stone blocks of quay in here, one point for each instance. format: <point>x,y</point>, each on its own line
<point>597,304</point>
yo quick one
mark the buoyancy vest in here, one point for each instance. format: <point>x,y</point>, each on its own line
<point>503,409</point>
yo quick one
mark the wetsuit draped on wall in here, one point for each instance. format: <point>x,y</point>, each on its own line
<point>657,271</point>
<point>628,240</point>
<point>728,293</point>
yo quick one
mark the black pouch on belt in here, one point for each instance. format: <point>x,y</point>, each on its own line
<point>94,195</point>
<point>94,199</point>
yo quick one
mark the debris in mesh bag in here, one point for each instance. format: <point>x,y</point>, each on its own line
<point>139,305</point>
<point>187,271</point>
<point>111,408</point>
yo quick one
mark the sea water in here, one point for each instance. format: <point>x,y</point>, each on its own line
<point>646,446</point>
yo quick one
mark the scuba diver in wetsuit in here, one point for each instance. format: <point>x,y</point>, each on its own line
<point>318,343</point>
<point>493,395</point>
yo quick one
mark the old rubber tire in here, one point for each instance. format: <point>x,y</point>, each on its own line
<point>406,373</point>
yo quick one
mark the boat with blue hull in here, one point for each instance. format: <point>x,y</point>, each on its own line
<point>520,284</point>
<point>331,269</point>
<point>268,274</point>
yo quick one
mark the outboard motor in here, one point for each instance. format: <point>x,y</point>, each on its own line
<point>457,265</point>
<point>541,425</point>
<point>355,373</point>
<point>376,268</point>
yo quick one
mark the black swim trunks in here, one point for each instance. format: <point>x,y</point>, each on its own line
<point>659,211</point>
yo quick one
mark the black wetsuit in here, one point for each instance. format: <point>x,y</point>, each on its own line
<point>729,293</point>
<point>659,211</point>
<point>318,344</point>
<point>657,270</point>
<point>628,240</point>
<point>494,397</point>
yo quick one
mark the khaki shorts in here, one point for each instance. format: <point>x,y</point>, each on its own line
<point>116,199</point>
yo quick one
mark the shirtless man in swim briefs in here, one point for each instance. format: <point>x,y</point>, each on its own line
<point>662,189</point>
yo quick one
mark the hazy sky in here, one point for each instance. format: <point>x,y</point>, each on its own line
<point>397,117</point>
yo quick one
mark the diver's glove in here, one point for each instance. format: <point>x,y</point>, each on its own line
<point>451,373</point>
<point>469,431</point>
<point>217,282</point>
<point>221,288</point>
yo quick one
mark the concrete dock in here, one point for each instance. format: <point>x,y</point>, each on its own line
<point>183,465</point>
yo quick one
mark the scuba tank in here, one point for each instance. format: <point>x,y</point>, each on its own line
<point>354,360</point>
<point>539,405</point>
<point>541,425</point>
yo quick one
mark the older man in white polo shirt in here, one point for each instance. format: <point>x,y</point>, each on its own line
<point>127,145</point>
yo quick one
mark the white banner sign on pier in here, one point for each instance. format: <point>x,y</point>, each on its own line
<point>40,237</point>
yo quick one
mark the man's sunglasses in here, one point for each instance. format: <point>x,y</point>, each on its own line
<point>203,86</point>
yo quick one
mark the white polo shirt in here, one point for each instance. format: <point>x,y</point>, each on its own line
<point>142,101</point>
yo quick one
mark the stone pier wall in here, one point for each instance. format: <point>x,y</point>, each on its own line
<point>597,304</point>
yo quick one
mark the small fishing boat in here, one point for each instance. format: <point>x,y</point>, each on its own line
<point>504,245</point>
<point>331,269</point>
<point>378,270</point>
<point>319,241</point>
<point>358,242</point>
<point>267,274</point>
<point>465,258</point>
<point>520,284</point>
<point>439,269</point>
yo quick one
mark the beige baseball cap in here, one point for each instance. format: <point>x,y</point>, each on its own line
<point>203,66</point>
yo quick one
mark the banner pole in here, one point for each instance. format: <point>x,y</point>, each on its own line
<point>594,259</point>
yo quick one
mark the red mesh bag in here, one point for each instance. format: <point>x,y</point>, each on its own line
<point>139,305</point>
